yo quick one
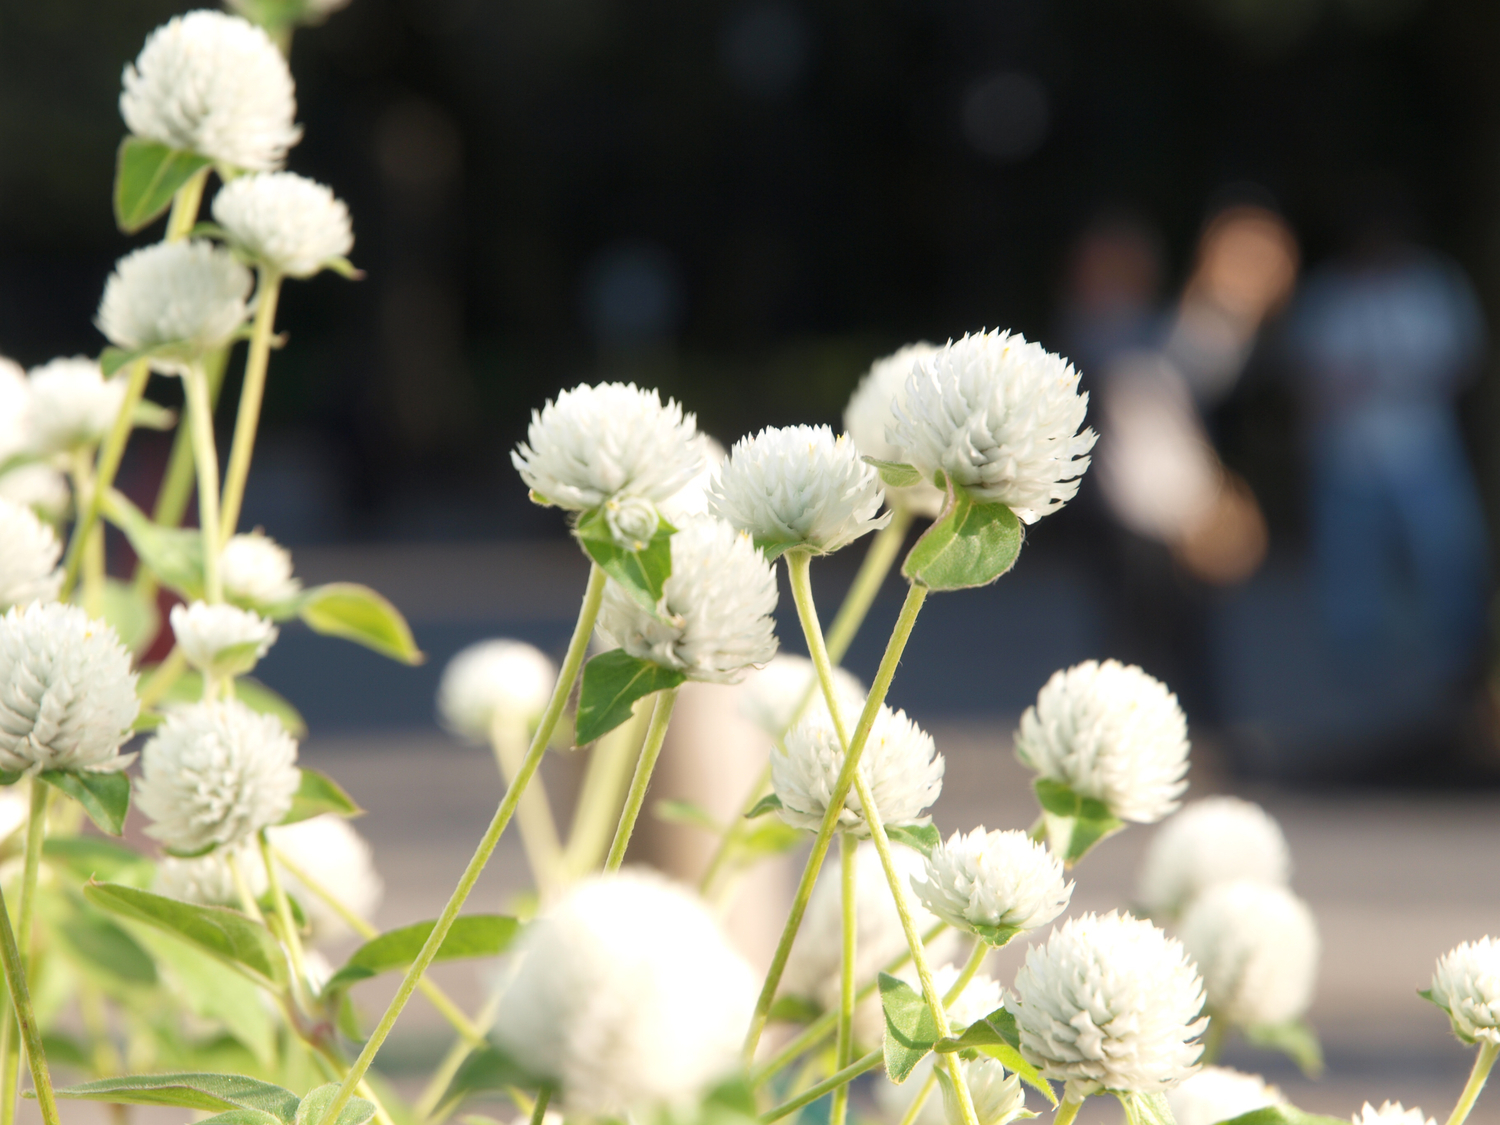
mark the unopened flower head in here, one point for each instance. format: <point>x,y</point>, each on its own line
<point>1001,418</point>
<point>997,1096</point>
<point>221,640</point>
<point>716,608</point>
<point>1217,1093</point>
<point>287,222</point>
<point>1110,732</point>
<point>1211,841</point>
<point>257,570</point>
<point>1466,985</point>
<point>216,85</point>
<point>994,881</point>
<point>1110,1003</point>
<point>338,859</point>
<point>595,443</point>
<point>494,681</point>
<point>71,404</point>
<point>67,694</point>
<point>214,774</point>
<point>1391,1113</point>
<point>181,299</point>
<point>627,995</point>
<point>798,487</point>
<point>871,412</point>
<point>774,693</point>
<point>29,550</point>
<point>900,764</point>
<point>632,521</point>
<point>1257,948</point>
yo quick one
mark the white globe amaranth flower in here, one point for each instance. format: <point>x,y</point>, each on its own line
<point>1256,945</point>
<point>871,412</point>
<point>1391,1113</point>
<point>221,640</point>
<point>1215,840</point>
<point>214,774</point>
<point>334,855</point>
<point>1110,732</point>
<point>67,694</point>
<point>773,694</point>
<point>206,879</point>
<point>1466,984</point>
<point>627,995</point>
<point>29,550</point>
<point>593,443</point>
<point>41,488</point>
<point>798,487</point>
<point>632,521</point>
<point>216,85</point>
<point>499,680</point>
<point>1218,1093</point>
<point>1110,1003</point>
<point>999,416</point>
<point>257,570</point>
<point>287,222</point>
<point>691,500</point>
<point>900,764</point>
<point>15,393</point>
<point>180,299</point>
<point>994,883</point>
<point>71,404</point>
<point>716,608</point>
<point>996,1095</point>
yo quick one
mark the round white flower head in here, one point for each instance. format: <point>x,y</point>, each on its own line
<point>1111,732</point>
<point>180,298</point>
<point>39,487</point>
<point>206,879</point>
<point>716,608</point>
<point>798,487</point>
<point>1214,840</point>
<point>900,764</point>
<point>999,416</point>
<point>1110,1003</point>
<point>1466,984</point>
<point>591,444</point>
<point>336,857</point>
<point>221,640</point>
<point>996,884</point>
<point>216,85</point>
<point>70,404</point>
<point>1391,1113</point>
<point>871,411</point>
<point>257,570</point>
<point>29,550</point>
<point>773,694</point>
<point>627,995</point>
<point>494,681</point>
<point>214,774</point>
<point>67,694</point>
<point>1217,1093</point>
<point>997,1096</point>
<point>15,392</point>
<point>1257,948</point>
<point>285,221</point>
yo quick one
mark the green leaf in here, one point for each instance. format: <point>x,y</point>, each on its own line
<point>242,1117</point>
<point>147,175</point>
<point>969,544</point>
<point>344,268</point>
<point>612,682</point>
<point>1296,1040</point>
<point>98,942</point>
<point>488,1068</point>
<point>472,935</point>
<point>111,359</point>
<point>922,837</point>
<point>188,688</point>
<point>152,416</point>
<point>1147,1109</point>
<point>689,814</point>
<point>994,935</point>
<point>65,1050</point>
<point>642,573</point>
<point>135,619</point>
<point>1074,823</point>
<point>1283,1115</point>
<point>357,613</point>
<point>104,796</point>
<point>208,988</point>
<point>897,474</point>
<point>996,1036</point>
<point>795,1009</point>
<point>10,777</point>
<point>769,803</point>
<point>318,794</point>
<point>190,1091</point>
<point>173,554</point>
<point>311,1111</point>
<point>910,1030</point>
<point>771,838</point>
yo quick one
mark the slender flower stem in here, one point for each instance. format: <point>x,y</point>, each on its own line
<point>36,833</point>
<point>508,739</point>
<point>185,205</point>
<point>437,1085</point>
<point>31,1034</point>
<point>1066,1112</point>
<point>844,1048</point>
<point>914,1110</point>
<point>577,647</point>
<point>798,569</point>
<point>872,571</point>
<point>655,735</point>
<point>971,967</point>
<point>290,937</point>
<point>248,905</point>
<point>252,394</point>
<point>167,673</point>
<point>206,458</point>
<point>832,1082</point>
<point>603,792</point>
<point>1482,1064</point>
<point>539,1109</point>
<point>10,1062</point>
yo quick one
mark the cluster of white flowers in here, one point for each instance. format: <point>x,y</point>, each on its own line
<point>257,571</point>
<point>221,640</point>
<point>871,412</point>
<point>284,221</point>
<point>29,550</point>
<point>773,694</point>
<point>180,299</point>
<point>1211,841</point>
<point>1001,880</point>
<point>1466,984</point>
<point>1217,1093</point>
<point>494,681</point>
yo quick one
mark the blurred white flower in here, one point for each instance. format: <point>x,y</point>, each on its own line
<point>1109,1003</point>
<point>773,694</point>
<point>692,498</point>
<point>257,570</point>
<point>1111,732</point>
<point>1256,946</point>
<point>335,856</point>
<point>798,486</point>
<point>70,404</point>
<point>216,85</point>
<point>1217,1093</point>
<point>503,680</point>
<point>1211,841</point>
<point>1001,417</point>
<point>221,640</point>
<point>627,995</point>
<point>593,443</point>
<point>67,694</point>
<point>1466,984</point>
<point>997,1097</point>
<point>1391,1113</point>
<point>285,221</point>
<point>39,487</point>
<point>15,392</point>
<point>206,879</point>
<point>871,412</point>
<point>993,880</point>
<point>29,550</point>
<point>180,298</point>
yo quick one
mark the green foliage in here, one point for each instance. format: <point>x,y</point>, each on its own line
<point>1074,823</point>
<point>188,688</point>
<point>1297,1040</point>
<point>147,175</point>
<point>1283,1115</point>
<point>774,837</point>
<point>472,935</point>
<point>612,682</point>
<point>104,796</point>
<point>357,613</point>
<point>134,618</point>
<point>173,554</point>
<point>311,1111</point>
<point>211,990</point>
<point>689,814</point>
<point>317,793</point>
<point>897,474</point>
<point>996,1036</point>
<point>487,1068</point>
<point>922,837</point>
<point>191,1091</point>
<point>910,1030</point>
<point>101,944</point>
<point>87,857</point>
<point>641,573</point>
<point>769,803</point>
<point>969,544</point>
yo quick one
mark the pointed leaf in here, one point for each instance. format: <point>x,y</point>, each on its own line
<point>173,554</point>
<point>897,474</point>
<point>769,803</point>
<point>922,837</point>
<point>1296,1040</point>
<point>96,941</point>
<point>994,935</point>
<point>612,682</point>
<point>996,1036</point>
<point>242,1117</point>
<point>311,1111</point>
<point>910,1030</point>
<point>318,794</point>
<point>111,359</point>
<point>190,1091</point>
<point>357,613</point>
<point>88,857</point>
<point>472,935</point>
<point>147,175</point>
<point>1074,823</point>
<point>642,573</point>
<point>969,544</point>
<point>773,837</point>
<point>104,796</point>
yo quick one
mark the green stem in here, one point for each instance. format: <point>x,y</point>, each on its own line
<point>844,1042</point>
<point>534,816</point>
<point>872,571</point>
<point>206,459</point>
<point>248,905</point>
<point>539,1109</point>
<point>914,1110</point>
<point>185,205</point>
<point>971,967</point>
<point>252,394</point>
<point>1066,1112</point>
<point>31,1034</point>
<point>832,1082</point>
<point>799,570</point>
<point>1482,1064</point>
<point>36,833</point>
<point>577,648</point>
<point>167,673</point>
<point>290,937</point>
<point>661,715</point>
<point>442,1077</point>
<point>603,792</point>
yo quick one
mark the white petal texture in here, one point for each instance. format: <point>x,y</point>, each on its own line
<point>67,694</point>
<point>221,640</point>
<point>1110,1003</point>
<point>716,608</point>
<point>900,764</point>
<point>1391,1113</point>
<point>39,487</point>
<point>29,550</point>
<point>257,570</point>
<point>871,412</point>
<point>1217,1093</point>
<point>798,486</point>
<point>594,443</point>
<point>773,694</point>
<point>214,774</point>
<point>1215,840</point>
<point>339,860</point>
<point>499,680</point>
<point>1001,417</point>
<point>628,995</point>
<point>216,85</point>
<point>207,880</point>
<point>1257,948</point>
<point>15,392</point>
<point>71,404</point>
<point>1111,732</point>
<point>1467,984</point>
<point>285,221</point>
<point>1001,879</point>
<point>997,1096</point>
<point>183,297</point>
